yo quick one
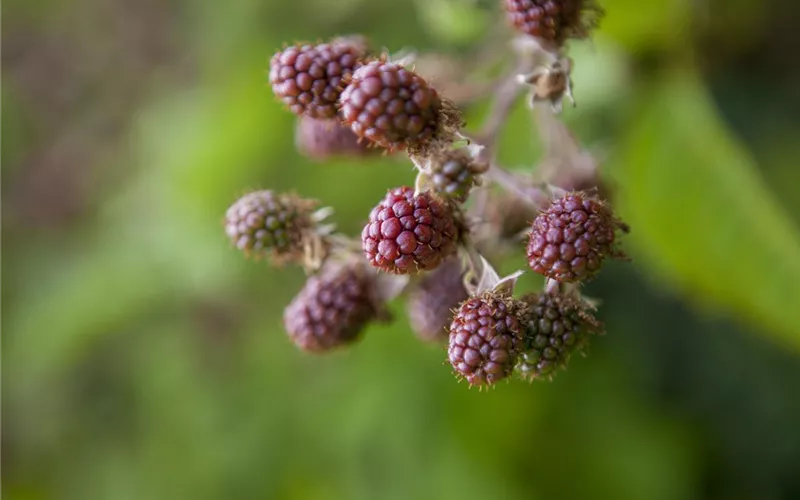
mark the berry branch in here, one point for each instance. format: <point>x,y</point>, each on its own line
<point>350,101</point>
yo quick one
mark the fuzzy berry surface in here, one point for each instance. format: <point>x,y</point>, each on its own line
<point>265,222</point>
<point>308,78</point>
<point>331,310</point>
<point>485,336</point>
<point>391,106</point>
<point>455,173</point>
<point>431,303</point>
<point>323,139</point>
<point>556,327</point>
<point>570,240</point>
<point>552,20</point>
<point>408,233</point>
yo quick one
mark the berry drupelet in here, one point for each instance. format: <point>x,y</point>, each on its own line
<point>431,303</point>
<point>332,309</point>
<point>409,232</point>
<point>395,108</point>
<point>265,223</point>
<point>308,78</point>
<point>570,240</point>
<point>556,327</point>
<point>485,338</point>
<point>553,20</point>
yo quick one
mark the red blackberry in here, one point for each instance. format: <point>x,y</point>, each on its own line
<point>264,222</point>
<point>322,139</point>
<point>485,337</point>
<point>395,108</point>
<point>308,78</point>
<point>553,20</point>
<point>454,173</point>
<point>556,327</point>
<point>331,310</point>
<point>407,233</point>
<point>570,240</point>
<point>430,304</point>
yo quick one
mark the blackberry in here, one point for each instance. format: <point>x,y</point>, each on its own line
<point>431,303</point>
<point>485,337</point>
<point>570,240</point>
<point>265,223</point>
<point>395,108</point>
<point>408,232</point>
<point>556,327</point>
<point>553,20</point>
<point>308,78</point>
<point>454,172</point>
<point>331,310</point>
<point>322,139</point>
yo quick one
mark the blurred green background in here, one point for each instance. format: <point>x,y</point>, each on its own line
<point>145,359</point>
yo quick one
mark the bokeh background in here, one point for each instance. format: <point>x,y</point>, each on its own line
<point>145,359</point>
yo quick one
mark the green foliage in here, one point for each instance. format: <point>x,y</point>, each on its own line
<point>144,359</point>
<point>701,212</point>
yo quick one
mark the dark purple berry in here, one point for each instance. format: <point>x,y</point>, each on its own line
<point>322,139</point>
<point>331,310</point>
<point>408,233</point>
<point>394,107</point>
<point>308,78</point>
<point>485,338</point>
<point>570,240</point>
<point>432,301</point>
<point>553,20</point>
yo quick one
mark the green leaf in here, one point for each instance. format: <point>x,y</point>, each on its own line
<point>701,214</point>
<point>452,21</point>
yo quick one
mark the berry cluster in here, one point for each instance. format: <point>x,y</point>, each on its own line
<point>350,103</point>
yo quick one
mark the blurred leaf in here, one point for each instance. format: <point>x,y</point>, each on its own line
<point>702,215</point>
<point>642,26</point>
<point>452,21</point>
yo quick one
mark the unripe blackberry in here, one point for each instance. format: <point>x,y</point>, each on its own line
<point>553,20</point>
<point>322,139</point>
<point>331,310</point>
<point>557,326</point>
<point>570,240</point>
<point>485,338</point>
<point>408,232</point>
<point>308,78</point>
<point>267,223</point>
<point>454,172</point>
<point>395,108</point>
<point>431,303</point>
